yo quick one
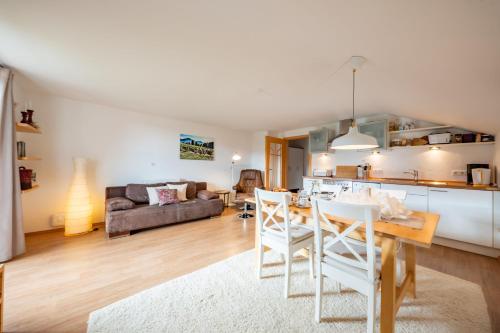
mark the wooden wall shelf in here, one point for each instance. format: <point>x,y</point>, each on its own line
<point>34,187</point>
<point>20,127</point>
<point>29,158</point>
<point>422,129</point>
<point>444,145</point>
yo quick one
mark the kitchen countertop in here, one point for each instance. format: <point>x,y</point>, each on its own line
<point>423,182</point>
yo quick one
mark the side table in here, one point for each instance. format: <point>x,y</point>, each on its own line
<point>225,196</point>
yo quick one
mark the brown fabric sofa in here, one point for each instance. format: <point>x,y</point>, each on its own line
<point>127,207</point>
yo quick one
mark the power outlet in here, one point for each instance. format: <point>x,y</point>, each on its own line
<point>458,173</point>
<point>57,220</point>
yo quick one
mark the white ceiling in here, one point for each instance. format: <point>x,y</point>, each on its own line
<point>264,64</point>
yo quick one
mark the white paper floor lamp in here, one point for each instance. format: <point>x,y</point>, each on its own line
<point>78,208</point>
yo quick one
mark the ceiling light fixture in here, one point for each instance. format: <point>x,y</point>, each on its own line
<point>354,140</point>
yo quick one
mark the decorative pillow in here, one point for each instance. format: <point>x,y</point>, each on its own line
<point>181,190</point>
<point>207,195</point>
<point>190,190</point>
<point>119,204</point>
<point>167,196</point>
<point>153,194</point>
<point>138,193</point>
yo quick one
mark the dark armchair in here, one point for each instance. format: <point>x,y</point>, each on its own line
<point>250,179</point>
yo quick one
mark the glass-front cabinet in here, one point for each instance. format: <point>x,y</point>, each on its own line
<point>319,139</point>
<point>378,129</point>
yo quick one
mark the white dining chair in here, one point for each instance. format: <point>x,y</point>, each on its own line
<point>346,260</point>
<point>279,233</point>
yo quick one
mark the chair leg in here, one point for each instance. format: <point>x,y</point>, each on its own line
<point>261,261</point>
<point>288,271</point>
<point>319,292</point>
<point>372,301</point>
<point>311,261</point>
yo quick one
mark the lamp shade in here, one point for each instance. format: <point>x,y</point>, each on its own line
<point>78,207</point>
<point>236,157</point>
<point>354,140</point>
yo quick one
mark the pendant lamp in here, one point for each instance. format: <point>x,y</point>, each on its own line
<point>354,140</point>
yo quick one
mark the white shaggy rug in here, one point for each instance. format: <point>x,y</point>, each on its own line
<point>227,297</point>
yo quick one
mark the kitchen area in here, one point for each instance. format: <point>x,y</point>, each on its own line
<point>456,180</point>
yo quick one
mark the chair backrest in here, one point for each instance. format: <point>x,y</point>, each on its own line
<point>360,215</point>
<point>267,205</point>
<point>398,194</point>
<point>250,179</point>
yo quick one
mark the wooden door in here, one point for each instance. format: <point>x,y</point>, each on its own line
<point>276,151</point>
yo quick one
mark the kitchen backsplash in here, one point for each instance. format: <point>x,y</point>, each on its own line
<point>431,164</point>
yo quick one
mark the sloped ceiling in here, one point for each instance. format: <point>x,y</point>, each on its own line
<point>264,64</point>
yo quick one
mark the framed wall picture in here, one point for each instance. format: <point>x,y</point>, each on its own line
<point>194,147</point>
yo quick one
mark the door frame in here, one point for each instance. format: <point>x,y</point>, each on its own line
<point>284,156</point>
<point>284,148</point>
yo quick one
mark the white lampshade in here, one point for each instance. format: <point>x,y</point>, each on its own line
<point>236,157</point>
<point>78,207</point>
<point>354,140</point>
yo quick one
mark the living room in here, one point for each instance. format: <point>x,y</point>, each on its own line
<point>184,166</point>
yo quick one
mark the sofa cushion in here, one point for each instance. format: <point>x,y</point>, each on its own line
<point>138,192</point>
<point>167,196</point>
<point>181,190</point>
<point>119,204</point>
<point>146,216</point>
<point>207,195</point>
<point>190,190</point>
<point>153,194</point>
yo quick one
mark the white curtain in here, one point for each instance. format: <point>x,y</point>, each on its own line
<point>11,217</point>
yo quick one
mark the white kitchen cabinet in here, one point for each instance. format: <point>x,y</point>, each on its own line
<point>465,215</point>
<point>496,220</point>
<point>357,186</point>
<point>416,196</point>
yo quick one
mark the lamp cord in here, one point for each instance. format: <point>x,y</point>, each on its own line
<point>353,89</point>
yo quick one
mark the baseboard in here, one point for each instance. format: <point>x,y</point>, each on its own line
<point>484,250</point>
<point>59,229</point>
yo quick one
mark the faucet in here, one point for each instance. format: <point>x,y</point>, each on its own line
<point>414,173</point>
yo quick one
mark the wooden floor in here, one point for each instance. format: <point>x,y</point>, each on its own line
<point>59,281</point>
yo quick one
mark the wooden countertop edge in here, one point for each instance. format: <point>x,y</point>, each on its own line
<point>428,183</point>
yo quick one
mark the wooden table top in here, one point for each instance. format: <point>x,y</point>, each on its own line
<point>420,237</point>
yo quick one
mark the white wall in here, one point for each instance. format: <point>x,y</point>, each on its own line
<point>431,164</point>
<point>122,146</point>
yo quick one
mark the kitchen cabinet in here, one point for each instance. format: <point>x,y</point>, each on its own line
<point>378,129</point>
<point>357,186</point>
<point>319,140</point>
<point>416,196</point>
<point>496,219</point>
<point>465,215</point>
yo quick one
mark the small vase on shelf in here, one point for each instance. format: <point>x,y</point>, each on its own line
<point>24,114</point>
<point>30,117</point>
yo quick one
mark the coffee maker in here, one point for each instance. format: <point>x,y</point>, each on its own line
<point>470,167</point>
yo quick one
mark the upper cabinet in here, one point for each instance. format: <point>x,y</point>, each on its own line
<point>378,129</point>
<point>319,140</point>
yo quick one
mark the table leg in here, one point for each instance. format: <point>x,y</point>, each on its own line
<point>388,288</point>
<point>410,267</point>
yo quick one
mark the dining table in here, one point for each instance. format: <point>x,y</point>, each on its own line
<point>391,236</point>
